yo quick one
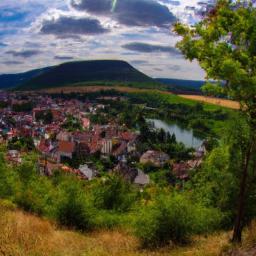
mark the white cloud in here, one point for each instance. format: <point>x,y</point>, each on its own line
<point>105,46</point>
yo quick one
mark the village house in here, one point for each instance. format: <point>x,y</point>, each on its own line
<point>65,149</point>
<point>86,123</point>
<point>142,179</point>
<point>14,157</point>
<point>89,173</point>
<point>182,170</point>
<point>132,175</point>
<point>155,158</point>
<point>127,173</point>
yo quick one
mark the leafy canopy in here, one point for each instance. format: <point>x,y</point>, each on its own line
<point>224,45</point>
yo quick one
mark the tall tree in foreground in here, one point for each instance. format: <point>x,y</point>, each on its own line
<point>224,44</point>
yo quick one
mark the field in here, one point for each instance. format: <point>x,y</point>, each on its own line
<point>187,99</point>
<point>220,102</point>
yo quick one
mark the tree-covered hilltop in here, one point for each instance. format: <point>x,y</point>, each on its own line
<point>99,72</point>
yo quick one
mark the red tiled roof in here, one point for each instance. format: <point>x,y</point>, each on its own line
<point>128,136</point>
<point>43,147</point>
<point>66,146</point>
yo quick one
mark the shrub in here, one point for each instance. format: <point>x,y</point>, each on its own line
<point>113,193</point>
<point>107,220</point>
<point>73,209</point>
<point>173,218</point>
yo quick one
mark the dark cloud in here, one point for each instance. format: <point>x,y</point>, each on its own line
<point>93,6</point>
<point>24,54</point>
<point>3,44</point>
<point>69,26</point>
<point>32,45</point>
<point>175,68</point>
<point>130,12</point>
<point>147,48</point>
<point>63,58</point>
<point>139,62</point>
<point>12,62</point>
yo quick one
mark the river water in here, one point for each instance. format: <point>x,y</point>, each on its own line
<point>185,136</point>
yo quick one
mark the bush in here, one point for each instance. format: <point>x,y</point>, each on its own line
<point>113,193</point>
<point>173,218</point>
<point>73,209</point>
<point>107,220</point>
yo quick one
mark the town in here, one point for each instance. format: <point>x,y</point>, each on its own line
<point>62,134</point>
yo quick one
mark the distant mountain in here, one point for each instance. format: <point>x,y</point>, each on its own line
<point>82,73</point>
<point>8,81</point>
<point>182,86</point>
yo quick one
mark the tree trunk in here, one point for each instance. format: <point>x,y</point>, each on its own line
<point>238,227</point>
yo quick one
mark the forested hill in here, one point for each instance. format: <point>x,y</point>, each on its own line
<point>182,86</point>
<point>90,73</point>
<point>8,81</point>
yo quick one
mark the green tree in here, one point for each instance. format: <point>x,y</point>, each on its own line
<point>45,116</point>
<point>224,45</point>
<point>113,193</point>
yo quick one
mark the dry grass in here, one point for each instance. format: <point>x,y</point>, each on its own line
<point>27,235</point>
<point>215,101</point>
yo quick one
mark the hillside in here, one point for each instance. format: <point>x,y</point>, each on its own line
<point>25,234</point>
<point>99,72</point>
<point>8,81</point>
<point>182,86</point>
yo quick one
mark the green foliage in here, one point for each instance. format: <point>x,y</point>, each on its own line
<point>224,44</point>
<point>23,107</point>
<point>113,193</point>
<point>106,204</point>
<point>73,208</point>
<point>3,104</point>
<point>45,116</point>
<point>215,185</point>
<point>211,89</point>
<point>72,124</point>
<point>173,218</point>
<point>22,143</point>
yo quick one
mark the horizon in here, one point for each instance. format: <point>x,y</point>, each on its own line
<point>26,71</point>
<point>35,35</point>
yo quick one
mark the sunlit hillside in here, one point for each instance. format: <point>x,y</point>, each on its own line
<point>25,234</point>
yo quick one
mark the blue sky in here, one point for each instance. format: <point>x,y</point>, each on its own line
<point>39,33</point>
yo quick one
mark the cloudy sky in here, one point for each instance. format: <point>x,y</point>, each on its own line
<point>39,33</point>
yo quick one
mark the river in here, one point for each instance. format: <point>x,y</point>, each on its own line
<point>185,136</point>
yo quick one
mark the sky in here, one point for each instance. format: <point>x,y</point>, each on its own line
<point>40,33</point>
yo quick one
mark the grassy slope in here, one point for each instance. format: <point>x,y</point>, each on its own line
<point>24,234</point>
